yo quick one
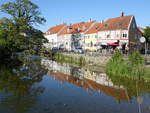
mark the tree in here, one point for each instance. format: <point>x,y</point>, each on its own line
<point>21,34</point>
<point>147,34</point>
<point>4,45</point>
<point>23,12</point>
<point>2,35</point>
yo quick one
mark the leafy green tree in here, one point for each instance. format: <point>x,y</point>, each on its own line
<point>4,45</point>
<point>21,33</point>
<point>147,34</point>
<point>23,12</point>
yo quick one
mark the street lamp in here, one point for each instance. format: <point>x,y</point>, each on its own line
<point>143,40</point>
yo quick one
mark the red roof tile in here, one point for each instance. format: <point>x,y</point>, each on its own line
<point>121,22</point>
<point>76,28</point>
<point>95,28</point>
<point>55,29</point>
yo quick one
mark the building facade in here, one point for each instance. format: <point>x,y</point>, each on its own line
<point>72,36</point>
<point>52,36</point>
<point>122,30</point>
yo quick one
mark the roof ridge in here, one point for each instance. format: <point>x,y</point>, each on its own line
<point>119,17</point>
<point>90,27</point>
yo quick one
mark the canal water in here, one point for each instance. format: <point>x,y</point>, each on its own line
<point>39,85</point>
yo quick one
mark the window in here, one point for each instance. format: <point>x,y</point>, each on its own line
<point>133,25</point>
<point>91,44</point>
<point>124,35</point>
<point>108,36</point>
<point>117,35</point>
<point>112,34</point>
<point>136,37</point>
<point>95,36</point>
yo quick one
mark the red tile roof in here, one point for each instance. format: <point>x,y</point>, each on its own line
<point>141,30</point>
<point>95,28</point>
<point>88,25</point>
<point>121,22</point>
<point>76,28</point>
<point>55,29</point>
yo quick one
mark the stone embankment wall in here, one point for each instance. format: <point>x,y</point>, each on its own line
<point>92,59</point>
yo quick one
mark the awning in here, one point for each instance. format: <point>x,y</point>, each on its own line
<point>103,43</point>
<point>113,44</point>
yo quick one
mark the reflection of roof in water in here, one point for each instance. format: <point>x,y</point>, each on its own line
<point>117,93</point>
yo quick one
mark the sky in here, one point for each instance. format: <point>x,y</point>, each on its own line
<point>72,11</point>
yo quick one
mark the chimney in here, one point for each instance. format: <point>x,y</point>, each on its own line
<point>122,14</point>
<point>90,20</point>
<point>102,21</point>
<point>64,22</point>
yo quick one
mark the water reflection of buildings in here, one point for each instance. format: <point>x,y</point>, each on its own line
<point>85,78</point>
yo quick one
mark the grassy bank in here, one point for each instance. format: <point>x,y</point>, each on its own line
<point>133,67</point>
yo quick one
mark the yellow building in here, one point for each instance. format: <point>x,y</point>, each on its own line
<point>91,37</point>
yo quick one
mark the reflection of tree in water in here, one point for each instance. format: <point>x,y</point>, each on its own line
<point>17,84</point>
<point>135,88</point>
<point>132,86</point>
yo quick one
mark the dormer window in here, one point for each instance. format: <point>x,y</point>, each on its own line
<point>106,25</point>
<point>96,27</point>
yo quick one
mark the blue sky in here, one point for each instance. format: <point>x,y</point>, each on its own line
<point>71,11</point>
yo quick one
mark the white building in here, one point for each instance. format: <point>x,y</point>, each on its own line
<point>52,36</point>
<point>121,29</point>
<point>72,35</point>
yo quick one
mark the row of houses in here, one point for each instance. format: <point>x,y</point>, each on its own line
<point>122,30</point>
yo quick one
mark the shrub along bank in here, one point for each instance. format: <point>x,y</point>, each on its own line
<point>133,67</point>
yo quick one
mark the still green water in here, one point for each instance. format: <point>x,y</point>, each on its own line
<point>39,85</point>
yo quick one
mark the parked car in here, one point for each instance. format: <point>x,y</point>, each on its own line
<point>78,50</point>
<point>61,49</point>
<point>55,49</point>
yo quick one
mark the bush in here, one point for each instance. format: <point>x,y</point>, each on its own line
<point>117,65</point>
<point>136,64</point>
<point>132,67</point>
